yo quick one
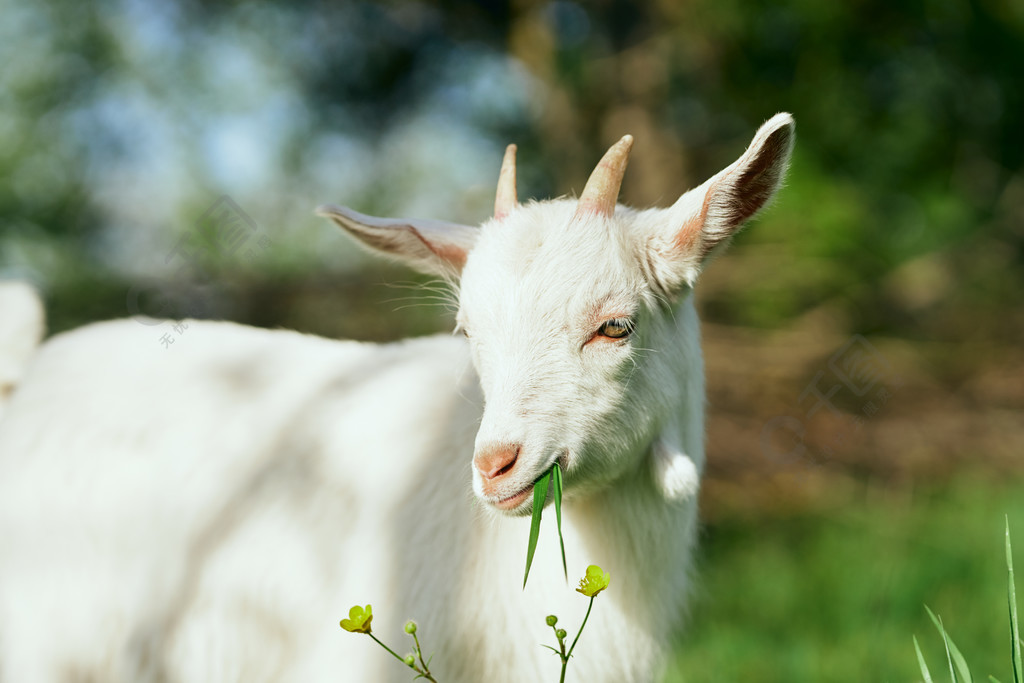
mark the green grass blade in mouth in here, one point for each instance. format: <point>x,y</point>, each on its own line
<point>556,471</point>
<point>540,494</point>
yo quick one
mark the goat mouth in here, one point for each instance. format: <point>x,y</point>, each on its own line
<point>515,500</point>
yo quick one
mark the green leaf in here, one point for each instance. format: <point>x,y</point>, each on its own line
<point>953,654</point>
<point>920,660</point>
<point>993,679</point>
<point>540,494</point>
<point>556,470</point>
<point>1018,663</point>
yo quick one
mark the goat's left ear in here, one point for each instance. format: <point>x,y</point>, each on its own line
<point>433,247</point>
<point>703,220</point>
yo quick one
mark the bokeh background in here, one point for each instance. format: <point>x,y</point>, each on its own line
<point>866,376</point>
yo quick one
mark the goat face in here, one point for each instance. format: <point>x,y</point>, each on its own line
<point>557,310</point>
<point>574,317</point>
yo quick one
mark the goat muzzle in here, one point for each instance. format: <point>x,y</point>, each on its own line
<point>495,463</point>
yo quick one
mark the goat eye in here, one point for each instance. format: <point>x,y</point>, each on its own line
<point>616,328</point>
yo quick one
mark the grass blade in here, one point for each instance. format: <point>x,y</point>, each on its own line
<point>993,679</point>
<point>1018,665</point>
<point>949,657</point>
<point>556,471</point>
<point>953,653</point>
<point>540,494</point>
<point>920,660</point>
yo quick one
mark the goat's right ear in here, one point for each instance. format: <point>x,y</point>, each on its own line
<point>704,219</point>
<point>433,247</point>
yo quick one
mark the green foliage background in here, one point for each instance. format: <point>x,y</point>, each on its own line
<point>124,120</point>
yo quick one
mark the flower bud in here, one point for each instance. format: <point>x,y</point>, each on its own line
<point>561,634</point>
<point>410,627</point>
<point>551,620</point>
<point>410,660</point>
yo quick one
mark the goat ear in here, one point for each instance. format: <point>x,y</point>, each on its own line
<point>433,247</point>
<point>703,220</point>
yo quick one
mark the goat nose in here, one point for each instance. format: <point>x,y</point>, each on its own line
<point>496,460</point>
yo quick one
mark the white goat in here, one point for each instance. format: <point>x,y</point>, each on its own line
<point>21,329</point>
<point>208,512</point>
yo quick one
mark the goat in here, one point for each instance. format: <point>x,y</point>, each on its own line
<point>21,329</point>
<point>208,512</point>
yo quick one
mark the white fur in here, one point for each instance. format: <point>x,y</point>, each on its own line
<point>209,511</point>
<point>21,329</point>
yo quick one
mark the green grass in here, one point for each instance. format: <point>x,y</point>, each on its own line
<point>840,597</point>
<point>959,671</point>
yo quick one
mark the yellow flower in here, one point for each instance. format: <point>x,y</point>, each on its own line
<point>594,582</point>
<point>358,620</point>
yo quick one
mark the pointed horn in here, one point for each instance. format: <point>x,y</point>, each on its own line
<point>602,190</point>
<point>505,200</point>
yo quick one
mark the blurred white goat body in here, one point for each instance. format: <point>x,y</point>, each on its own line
<point>209,511</point>
<point>21,329</point>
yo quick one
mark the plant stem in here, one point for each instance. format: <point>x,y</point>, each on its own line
<point>563,655</point>
<point>419,653</point>
<point>393,653</point>
<point>580,632</point>
<point>425,674</point>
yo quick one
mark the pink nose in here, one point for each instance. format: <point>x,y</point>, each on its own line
<point>496,461</point>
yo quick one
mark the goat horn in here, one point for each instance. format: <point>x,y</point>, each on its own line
<point>602,189</point>
<point>505,200</point>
